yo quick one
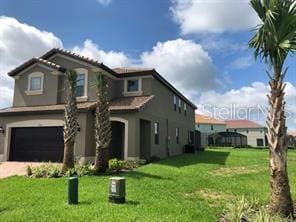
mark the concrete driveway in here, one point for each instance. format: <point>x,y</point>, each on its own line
<point>8,169</point>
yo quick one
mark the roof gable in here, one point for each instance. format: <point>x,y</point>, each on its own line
<point>73,55</point>
<point>34,61</point>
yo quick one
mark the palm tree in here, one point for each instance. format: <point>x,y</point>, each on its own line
<point>274,40</point>
<point>102,124</point>
<point>71,124</point>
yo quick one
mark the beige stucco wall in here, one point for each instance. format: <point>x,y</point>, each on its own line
<point>81,143</point>
<point>49,95</point>
<point>252,135</point>
<point>91,91</point>
<point>161,110</point>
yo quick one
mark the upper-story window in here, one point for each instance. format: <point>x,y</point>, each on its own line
<point>35,83</point>
<point>185,109</point>
<point>179,105</point>
<point>212,127</point>
<point>81,83</point>
<point>175,103</point>
<point>132,86</point>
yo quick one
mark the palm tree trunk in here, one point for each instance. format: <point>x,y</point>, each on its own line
<point>101,161</point>
<point>68,161</point>
<point>281,201</point>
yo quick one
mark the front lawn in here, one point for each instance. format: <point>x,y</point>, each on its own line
<point>184,188</point>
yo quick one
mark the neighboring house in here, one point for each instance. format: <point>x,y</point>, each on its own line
<point>292,139</point>
<point>148,115</point>
<point>207,126</point>
<point>256,133</point>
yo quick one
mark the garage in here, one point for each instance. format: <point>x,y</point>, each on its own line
<point>37,144</point>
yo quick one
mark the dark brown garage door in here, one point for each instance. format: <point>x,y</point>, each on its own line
<point>37,144</point>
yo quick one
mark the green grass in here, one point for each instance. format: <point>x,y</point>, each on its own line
<point>182,188</point>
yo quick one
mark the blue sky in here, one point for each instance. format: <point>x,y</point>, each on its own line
<point>200,46</point>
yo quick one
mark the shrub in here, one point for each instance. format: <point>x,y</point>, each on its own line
<point>85,170</point>
<point>51,170</point>
<point>48,170</point>
<point>249,210</point>
<point>29,171</point>
<point>116,165</point>
<point>131,164</point>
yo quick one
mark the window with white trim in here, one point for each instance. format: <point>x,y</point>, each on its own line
<point>35,83</point>
<point>81,83</point>
<point>132,85</point>
<point>185,109</point>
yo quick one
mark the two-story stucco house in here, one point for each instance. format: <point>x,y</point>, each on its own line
<point>255,133</point>
<point>149,117</point>
<point>207,126</point>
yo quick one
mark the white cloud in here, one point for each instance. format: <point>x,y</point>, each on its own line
<point>246,102</point>
<point>110,58</point>
<point>222,47</point>
<point>19,42</point>
<point>104,2</point>
<point>184,63</point>
<point>243,97</point>
<point>213,16</point>
<point>242,62</point>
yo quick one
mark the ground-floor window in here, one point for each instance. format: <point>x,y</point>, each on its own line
<point>156,133</point>
<point>177,135</point>
<point>259,142</point>
<point>190,137</point>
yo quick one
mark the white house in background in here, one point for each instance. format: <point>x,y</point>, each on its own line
<point>207,126</point>
<point>256,133</point>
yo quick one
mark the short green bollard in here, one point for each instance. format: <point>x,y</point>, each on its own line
<point>73,190</point>
<point>117,190</point>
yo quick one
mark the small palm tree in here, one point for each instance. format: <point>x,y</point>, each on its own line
<point>102,124</point>
<point>71,124</point>
<point>274,40</point>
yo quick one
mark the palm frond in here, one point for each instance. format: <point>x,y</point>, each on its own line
<point>275,37</point>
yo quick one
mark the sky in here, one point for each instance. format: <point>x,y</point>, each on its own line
<point>200,46</point>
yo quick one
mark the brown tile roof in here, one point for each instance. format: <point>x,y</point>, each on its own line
<point>118,72</point>
<point>131,72</point>
<point>125,70</point>
<point>33,61</point>
<point>201,119</point>
<point>132,103</point>
<point>241,124</point>
<point>292,134</point>
<point>77,56</point>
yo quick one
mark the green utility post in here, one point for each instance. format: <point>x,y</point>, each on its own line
<point>73,190</point>
<point>117,190</point>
